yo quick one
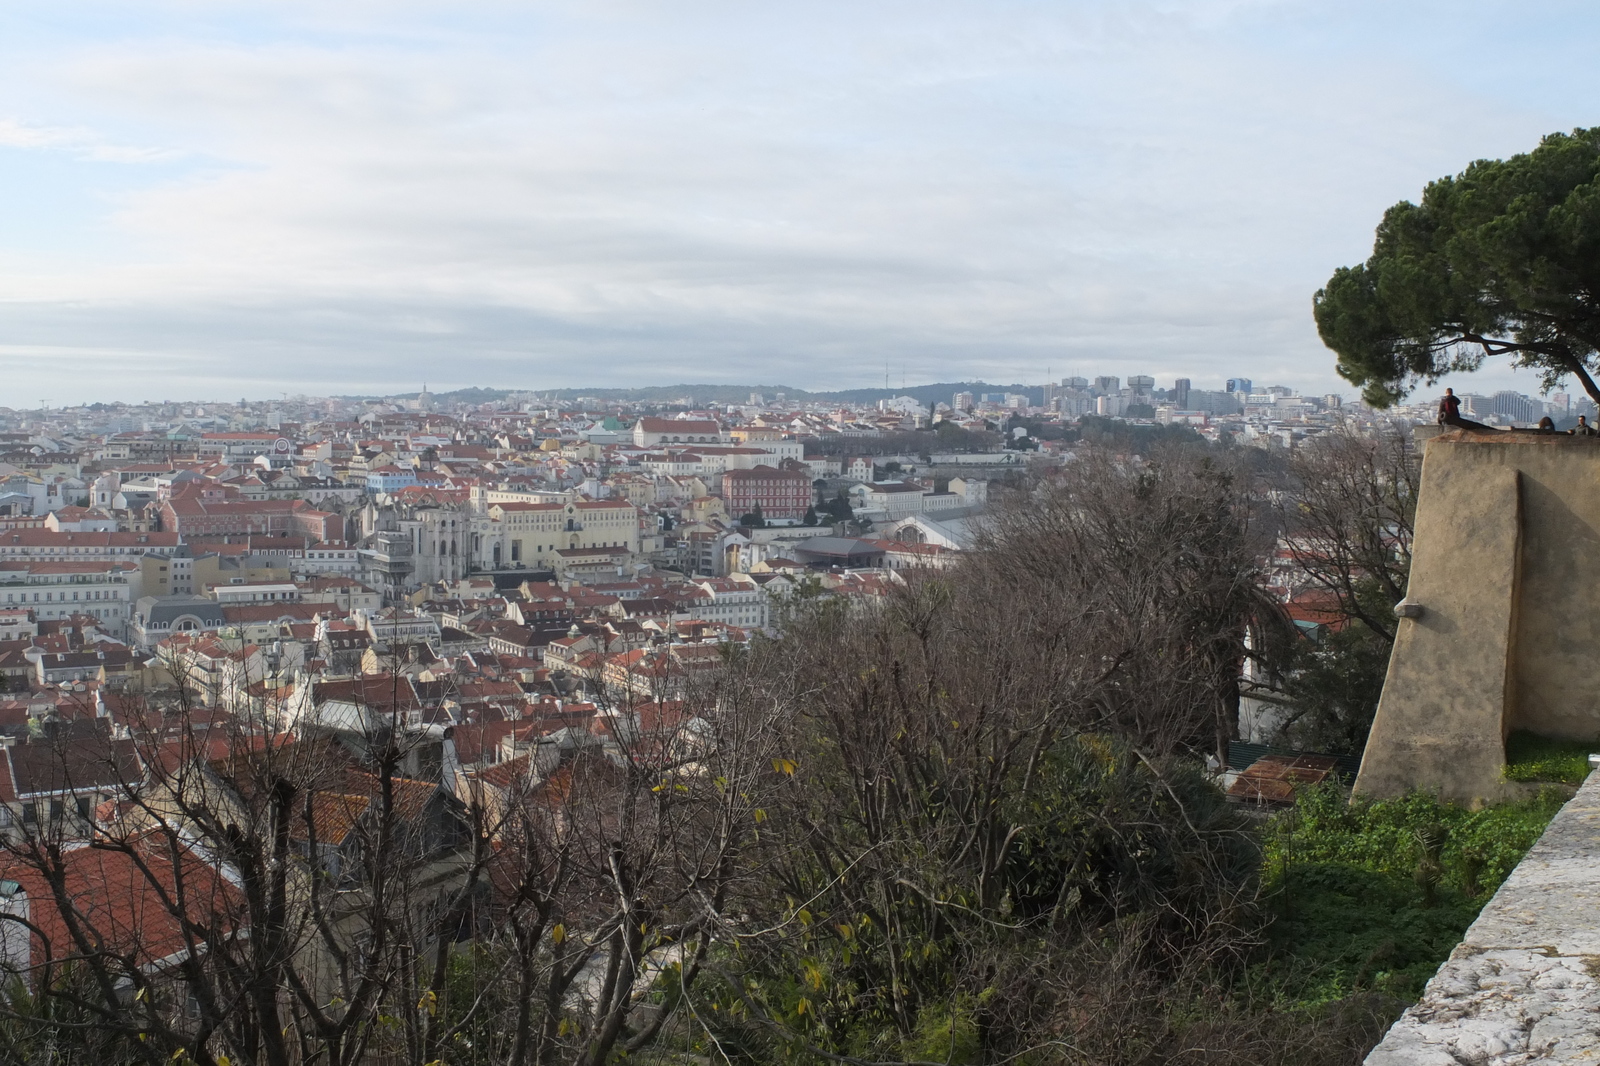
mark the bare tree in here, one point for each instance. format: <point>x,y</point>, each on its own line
<point>1151,567</point>
<point>613,869</point>
<point>970,844</point>
<point>987,842</point>
<point>1348,515</point>
<point>1349,518</point>
<point>337,894</point>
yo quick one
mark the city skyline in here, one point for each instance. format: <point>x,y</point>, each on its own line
<point>774,394</point>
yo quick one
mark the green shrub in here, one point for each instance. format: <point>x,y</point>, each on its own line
<point>1534,758</point>
<point>1372,896</point>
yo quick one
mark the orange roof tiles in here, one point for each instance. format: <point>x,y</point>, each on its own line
<point>1272,779</point>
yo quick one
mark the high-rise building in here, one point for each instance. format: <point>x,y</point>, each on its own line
<point>1075,403</point>
<point>1515,407</point>
<point>1141,386</point>
<point>1240,385</point>
<point>1112,405</point>
<point>1074,383</point>
<point>964,401</point>
<point>1215,403</point>
<point>1180,394</point>
<point>1107,385</point>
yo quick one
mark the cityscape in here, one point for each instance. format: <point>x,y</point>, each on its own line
<point>527,576</point>
<point>799,535</point>
<point>297,503</point>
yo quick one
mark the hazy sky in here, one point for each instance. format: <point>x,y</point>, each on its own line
<point>223,199</point>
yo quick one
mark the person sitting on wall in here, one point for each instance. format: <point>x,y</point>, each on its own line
<point>1449,408</point>
<point>1450,413</point>
<point>1583,428</point>
<point>1547,425</point>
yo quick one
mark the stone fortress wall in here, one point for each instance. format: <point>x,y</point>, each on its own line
<point>1505,602</point>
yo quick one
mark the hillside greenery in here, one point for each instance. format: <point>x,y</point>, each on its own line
<point>1370,897</point>
<point>1530,757</point>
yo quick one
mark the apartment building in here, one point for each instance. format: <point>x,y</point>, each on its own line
<point>28,544</point>
<point>778,493</point>
<point>61,589</point>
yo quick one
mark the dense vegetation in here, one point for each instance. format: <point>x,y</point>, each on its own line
<point>996,842</point>
<point>942,437</point>
<point>1131,436</point>
<point>1371,897</point>
<point>1534,758</point>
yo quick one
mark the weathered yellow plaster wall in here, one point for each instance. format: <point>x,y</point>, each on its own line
<point>1442,718</point>
<point>1557,664</point>
<point>1506,566</point>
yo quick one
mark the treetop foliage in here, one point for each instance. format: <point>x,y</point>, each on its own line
<point>1502,259</point>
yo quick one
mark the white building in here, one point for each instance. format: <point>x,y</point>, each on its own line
<point>441,544</point>
<point>51,589</point>
<point>894,500</point>
<point>260,592</point>
<point>326,559</point>
<point>907,406</point>
<point>652,432</point>
<point>736,600</point>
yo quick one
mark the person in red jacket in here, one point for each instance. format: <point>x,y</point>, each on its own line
<point>1449,408</point>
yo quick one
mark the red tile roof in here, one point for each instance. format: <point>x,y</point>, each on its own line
<point>119,896</point>
<point>1272,779</point>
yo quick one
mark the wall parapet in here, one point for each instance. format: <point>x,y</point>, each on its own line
<point>1523,986</point>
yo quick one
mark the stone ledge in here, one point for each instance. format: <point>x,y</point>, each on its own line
<point>1523,986</point>
<point>1493,435</point>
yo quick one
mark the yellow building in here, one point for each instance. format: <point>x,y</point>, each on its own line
<point>528,534</point>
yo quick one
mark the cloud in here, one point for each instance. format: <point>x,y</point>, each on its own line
<point>562,194</point>
<point>14,134</point>
<point>82,143</point>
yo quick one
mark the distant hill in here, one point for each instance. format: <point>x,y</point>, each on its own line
<point>473,394</point>
<point>697,395</point>
<point>928,395</point>
<point>669,394</point>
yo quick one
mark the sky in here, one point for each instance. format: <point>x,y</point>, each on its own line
<point>207,200</point>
